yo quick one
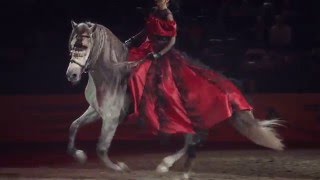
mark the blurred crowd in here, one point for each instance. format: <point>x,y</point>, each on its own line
<point>268,46</point>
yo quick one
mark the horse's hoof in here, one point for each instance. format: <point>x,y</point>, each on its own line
<point>162,168</point>
<point>80,156</point>
<point>185,176</point>
<point>123,167</point>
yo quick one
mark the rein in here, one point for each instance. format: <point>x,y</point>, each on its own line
<point>129,64</point>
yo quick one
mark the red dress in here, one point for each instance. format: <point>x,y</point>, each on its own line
<point>173,95</point>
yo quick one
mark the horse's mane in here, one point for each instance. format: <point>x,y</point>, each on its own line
<point>106,42</point>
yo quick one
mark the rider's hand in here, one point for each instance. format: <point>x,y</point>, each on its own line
<point>129,42</point>
<point>153,55</point>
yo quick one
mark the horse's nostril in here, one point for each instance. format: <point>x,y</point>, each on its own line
<point>71,76</point>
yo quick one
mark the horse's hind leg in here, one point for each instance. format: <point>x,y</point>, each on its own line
<point>89,116</point>
<point>191,155</point>
<point>168,161</point>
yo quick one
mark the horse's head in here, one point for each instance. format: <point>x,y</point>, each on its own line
<point>80,46</point>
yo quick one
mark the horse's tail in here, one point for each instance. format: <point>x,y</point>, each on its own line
<point>260,132</point>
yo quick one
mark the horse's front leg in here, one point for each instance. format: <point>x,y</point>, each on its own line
<point>89,116</point>
<point>109,126</point>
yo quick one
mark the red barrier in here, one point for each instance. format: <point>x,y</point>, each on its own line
<point>47,118</point>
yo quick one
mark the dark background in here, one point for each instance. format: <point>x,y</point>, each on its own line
<point>34,36</point>
<point>39,104</point>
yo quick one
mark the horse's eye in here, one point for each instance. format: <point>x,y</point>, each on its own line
<point>78,37</point>
<point>85,36</point>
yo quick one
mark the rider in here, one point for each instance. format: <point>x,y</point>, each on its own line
<point>170,93</point>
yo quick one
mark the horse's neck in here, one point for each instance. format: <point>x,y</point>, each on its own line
<point>114,50</point>
<point>107,80</point>
<point>107,74</point>
<point>108,71</point>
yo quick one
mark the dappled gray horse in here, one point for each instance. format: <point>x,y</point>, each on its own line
<point>96,50</point>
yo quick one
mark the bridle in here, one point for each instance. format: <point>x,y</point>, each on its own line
<point>87,66</point>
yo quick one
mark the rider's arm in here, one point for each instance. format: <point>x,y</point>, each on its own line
<point>172,40</point>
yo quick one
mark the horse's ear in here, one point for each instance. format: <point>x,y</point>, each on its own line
<point>74,24</point>
<point>93,27</point>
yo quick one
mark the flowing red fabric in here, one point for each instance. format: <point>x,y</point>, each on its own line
<point>173,95</point>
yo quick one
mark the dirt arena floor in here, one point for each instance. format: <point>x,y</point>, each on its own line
<point>51,162</point>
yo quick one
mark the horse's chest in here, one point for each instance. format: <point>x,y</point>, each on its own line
<point>105,97</point>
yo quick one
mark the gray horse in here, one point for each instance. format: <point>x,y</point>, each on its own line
<point>96,50</point>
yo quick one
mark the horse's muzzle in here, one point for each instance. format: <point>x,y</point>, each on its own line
<point>73,78</point>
